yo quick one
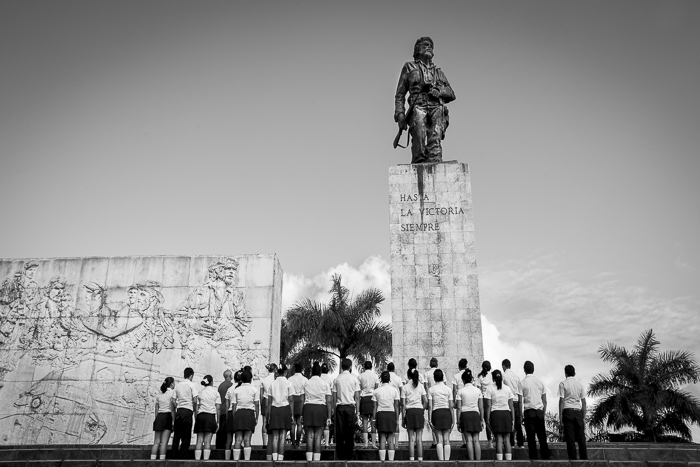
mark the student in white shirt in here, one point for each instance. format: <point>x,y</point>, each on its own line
<point>386,413</point>
<point>245,407</point>
<point>572,410</point>
<point>440,416</point>
<point>368,382</point>
<point>484,381</point>
<point>500,414</point>
<point>457,384</point>
<point>207,421</point>
<point>265,384</point>
<point>413,403</point>
<point>397,382</point>
<point>298,380</point>
<point>279,417</point>
<point>185,399</point>
<point>316,414</point>
<point>429,375</point>
<point>470,407</point>
<point>346,388</point>
<point>165,416</point>
<point>328,379</point>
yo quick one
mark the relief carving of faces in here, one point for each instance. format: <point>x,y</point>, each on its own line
<point>30,273</point>
<point>230,275</point>
<point>93,300</point>
<point>56,292</point>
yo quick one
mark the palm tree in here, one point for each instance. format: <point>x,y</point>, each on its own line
<point>644,389</point>
<point>346,327</point>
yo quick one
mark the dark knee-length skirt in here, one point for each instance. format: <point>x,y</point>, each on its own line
<point>163,421</point>
<point>366,405</point>
<point>244,420</point>
<point>470,422</point>
<point>415,419</point>
<point>386,422</point>
<point>280,418</point>
<point>501,421</point>
<point>442,419</point>
<point>315,415</point>
<point>205,423</point>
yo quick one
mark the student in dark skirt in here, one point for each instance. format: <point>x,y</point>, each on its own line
<point>441,417</point>
<point>386,415</point>
<point>279,417</point>
<point>228,402</point>
<point>246,410</point>
<point>165,415</point>
<point>413,405</point>
<point>471,419</point>
<point>368,383</point>
<point>298,380</point>
<point>316,415</point>
<point>207,421</point>
<point>500,415</point>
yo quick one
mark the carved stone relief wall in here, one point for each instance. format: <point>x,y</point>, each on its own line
<point>85,343</point>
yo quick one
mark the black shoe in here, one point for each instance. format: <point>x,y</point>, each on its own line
<point>264,446</point>
<point>463,446</point>
<point>433,446</point>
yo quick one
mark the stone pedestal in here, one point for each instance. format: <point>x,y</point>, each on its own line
<point>85,343</point>
<point>434,283</point>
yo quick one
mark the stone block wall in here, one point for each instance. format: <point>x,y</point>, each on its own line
<point>434,282</point>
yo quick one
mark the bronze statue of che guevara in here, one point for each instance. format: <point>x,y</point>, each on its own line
<point>428,91</point>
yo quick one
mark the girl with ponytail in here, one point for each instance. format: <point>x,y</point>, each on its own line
<point>165,415</point>
<point>500,415</point>
<point>484,383</point>
<point>470,407</point>
<point>413,404</point>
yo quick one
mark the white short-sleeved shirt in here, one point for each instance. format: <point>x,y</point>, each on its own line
<point>163,400</point>
<point>315,391</point>
<point>396,381</point>
<point>457,381</point>
<point>244,396</point>
<point>413,395</point>
<point>298,381</point>
<point>208,399</point>
<point>345,386</point>
<point>430,375</point>
<point>469,395</point>
<point>384,396</point>
<point>266,384</point>
<point>572,393</point>
<point>511,380</point>
<point>499,397</point>
<point>327,378</point>
<point>183,394</point>
<point>484,383</point>
<point>368,381</point>
<point>533,389</point>
<point>441,396</point>
<point>280,390</point>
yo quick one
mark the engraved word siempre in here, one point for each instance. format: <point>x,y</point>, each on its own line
<point>427,211</point>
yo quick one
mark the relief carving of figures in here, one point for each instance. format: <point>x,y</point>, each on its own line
<point>214,315</point>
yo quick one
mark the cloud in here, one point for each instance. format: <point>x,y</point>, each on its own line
<point>373,272</point>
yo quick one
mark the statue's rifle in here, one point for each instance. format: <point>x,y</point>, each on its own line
<point>400,132</point>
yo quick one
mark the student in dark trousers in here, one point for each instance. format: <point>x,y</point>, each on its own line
<point>535,406</point>
<point>185,398</point>
<point>572,407</point>
<point>221,434</point>
<point>347,395</point>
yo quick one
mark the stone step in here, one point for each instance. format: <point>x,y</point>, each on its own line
<point>600,455</point>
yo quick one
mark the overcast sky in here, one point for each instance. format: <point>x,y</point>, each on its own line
<point>171,127</point>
